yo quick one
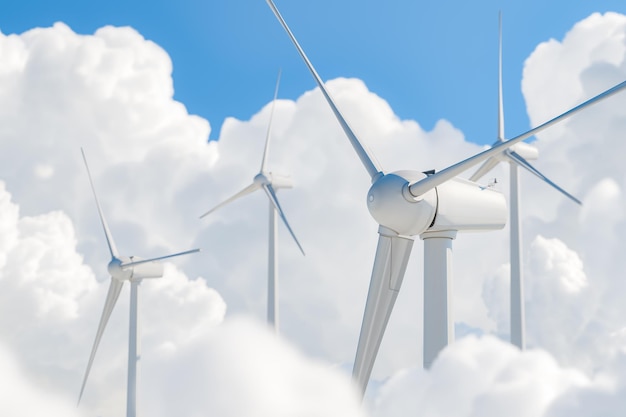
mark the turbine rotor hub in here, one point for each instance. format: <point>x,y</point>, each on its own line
<point>261,179</point>
<point>117,271</point>
<point>392,206</point>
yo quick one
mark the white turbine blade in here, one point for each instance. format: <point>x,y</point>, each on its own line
<point>490,163</point>
<point>269,125</point>
<point>420,187</point>
<point>144,261</point>
<point>519,160</point>
<point>114,292</point>
<point>269,190</point>
<point>500,99</point>
<point>105,226</point>
<point>371,165</point>
<point>392,256</point>
<point>487,166</point>
<point>250,188</point>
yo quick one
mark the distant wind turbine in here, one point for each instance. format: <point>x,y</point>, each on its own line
<point>516,156</point>
<point>132,269</point>
<point>270,183</point>
<point>432,205</point>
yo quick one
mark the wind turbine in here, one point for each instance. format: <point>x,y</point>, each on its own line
<point>270,183</point>
<point>432,205</point>
<point>132,269</point>
<point>516,156</point>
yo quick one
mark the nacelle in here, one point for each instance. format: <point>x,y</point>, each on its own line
<point>466,206</point>
<point>276,180</point>
<point>525,150</point>
<point>152,269</point>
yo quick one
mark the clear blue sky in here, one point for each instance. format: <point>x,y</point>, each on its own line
<point>429,60</point>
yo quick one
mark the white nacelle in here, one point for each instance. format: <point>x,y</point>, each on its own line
<point>276,180</point>
<point>393,207</point>
<point>148,270</point>
<point>525,150</point>
<point>466,206</point>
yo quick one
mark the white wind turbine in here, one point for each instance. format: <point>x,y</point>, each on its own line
<point>132,269</point>
<point>516,156</point>
<point>270,183</point>
<point>432,205</point>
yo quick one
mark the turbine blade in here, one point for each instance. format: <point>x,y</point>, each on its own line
<point>271,194</point>
<point>500,99</point>
<point>490,163</point>
<point>250,188</point>
<point>105,226</point>
<point>487,166</point>
<point>144,261</point>
<point>392,256</point>
<point>371,165</point>
<point>269,125</point>
<point>420,187</point>
<point>519,160</point>
<point>115,287</point>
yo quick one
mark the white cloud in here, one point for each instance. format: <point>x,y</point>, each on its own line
<point>479,377</point>
<point>22,397</point>
<point>242,368</point>
<point>111,93</point>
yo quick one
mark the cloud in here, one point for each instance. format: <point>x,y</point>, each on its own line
<point>155,172</point>
<point>479,377</point>
<point>244,369</point>
<point>22,397</point>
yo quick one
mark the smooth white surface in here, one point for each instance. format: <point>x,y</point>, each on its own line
<point>517,285</point>
<point>272,270</point>
<point>466,206</point>
<point>394,209</point>
<point>438,320</point>
<point>133,350</point>
<point>392,256</point>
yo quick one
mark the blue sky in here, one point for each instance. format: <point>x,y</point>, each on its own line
<point>429,60</point>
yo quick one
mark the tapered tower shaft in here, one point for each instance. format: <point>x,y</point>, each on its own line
<point>272,270</point>
<point>517,286</point>
<point>438,321</point>
<point>133,351</point>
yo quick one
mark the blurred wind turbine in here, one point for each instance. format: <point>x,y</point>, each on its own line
<point>432,205</point>
<point>270,183</point>
<point>517,155</point>
<point>134,270</point>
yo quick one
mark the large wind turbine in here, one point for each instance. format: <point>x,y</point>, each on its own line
<point>270,183</point>
<point>132,269</point>
<point>516,156</point>
<point>432,205</point>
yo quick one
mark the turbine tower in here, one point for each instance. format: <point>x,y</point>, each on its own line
<point>270,183</point>
<point>433,206</point>
<point>132,269</point>
<point>516,156</point>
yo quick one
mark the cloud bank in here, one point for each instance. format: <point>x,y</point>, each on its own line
<point>155,172</point>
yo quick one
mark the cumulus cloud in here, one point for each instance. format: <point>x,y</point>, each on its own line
<point>479,377</point>
<point>244,369</point>
<point>155,172</point>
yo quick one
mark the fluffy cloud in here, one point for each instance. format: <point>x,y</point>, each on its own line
<point>244,369</point>
<point>480,377</point>
<point>155,172</point>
